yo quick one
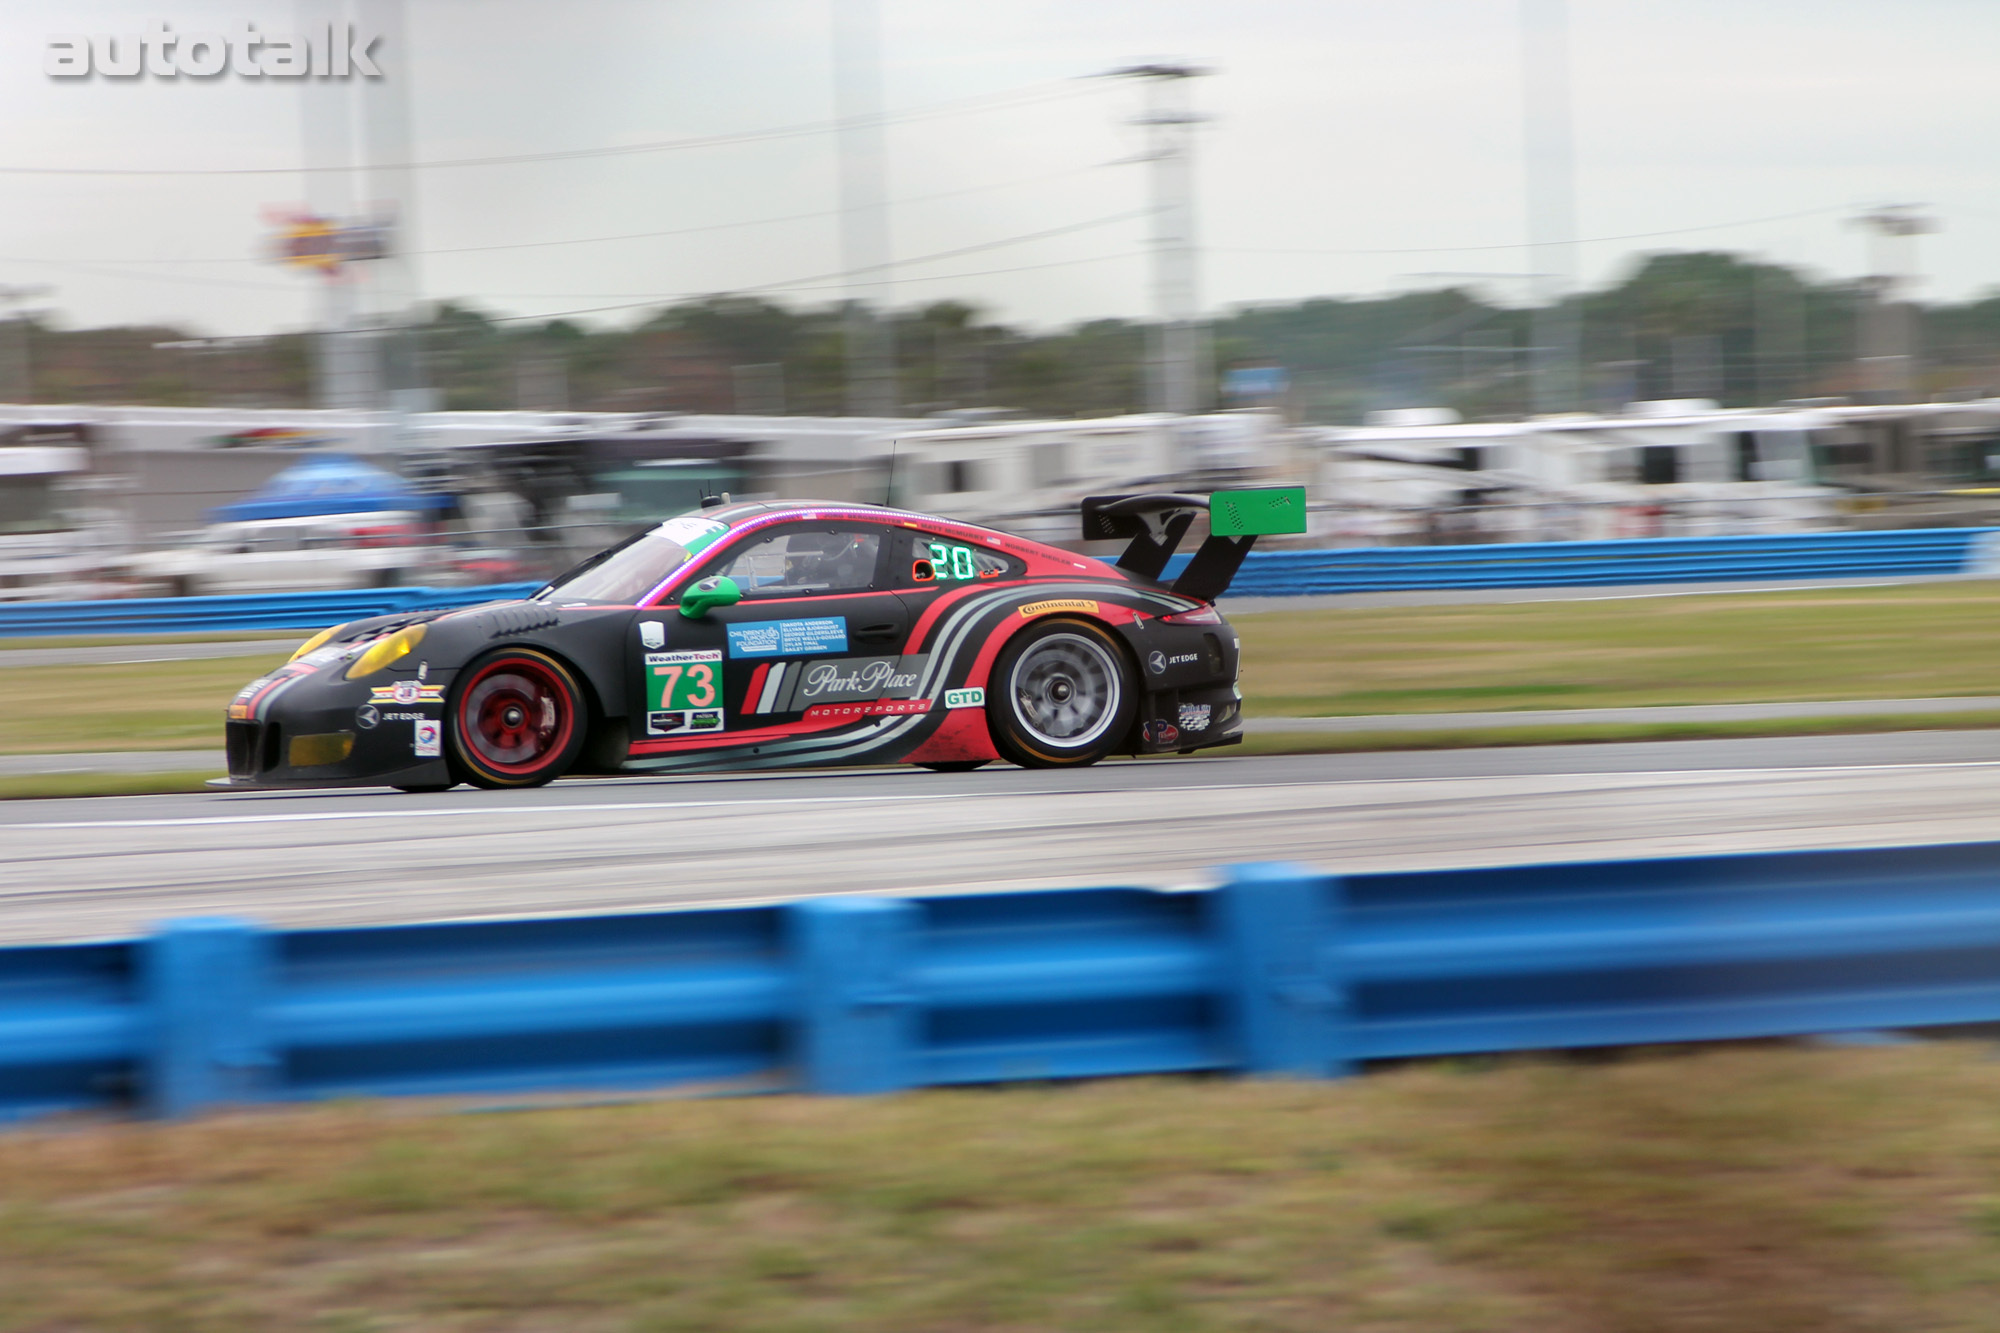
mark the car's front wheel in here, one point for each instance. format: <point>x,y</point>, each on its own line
<point>1065,695</point>
<point>516,719</point>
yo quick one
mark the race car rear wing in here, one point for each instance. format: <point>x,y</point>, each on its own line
<point>1155,524</point>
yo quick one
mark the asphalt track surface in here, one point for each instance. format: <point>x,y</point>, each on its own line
<point>113,866</point>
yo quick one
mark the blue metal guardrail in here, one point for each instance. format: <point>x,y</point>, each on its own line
<point>1822,555</point>
<point>1811,555</point>
<point>1280,970</point>
<point>290,610</point>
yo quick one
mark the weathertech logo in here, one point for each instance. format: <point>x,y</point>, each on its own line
<point>1060,604</point>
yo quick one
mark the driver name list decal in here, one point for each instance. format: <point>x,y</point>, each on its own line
<point>788,638</point>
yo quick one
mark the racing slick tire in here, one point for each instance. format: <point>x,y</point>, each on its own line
<point>1061,695</point>
<point>516,718</point>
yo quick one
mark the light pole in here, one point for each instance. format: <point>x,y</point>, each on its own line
<point>864,209</point>
<point>1179,349</point>
<point>1889,323</point>
<point>20,368</point>
<point>1551,181</point>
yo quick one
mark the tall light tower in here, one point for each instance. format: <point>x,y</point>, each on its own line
<point>345,373</point>
<point>1551,181</point>
<point>1888,334</point>
<point>864,208</point>
<point>1178,356</point>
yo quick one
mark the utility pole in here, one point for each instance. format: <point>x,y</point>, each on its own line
<point>1178,355</point>
<point>1551,182</point>
<point>20,387</point>
<point>1888,334</point>
<point>864,208</point>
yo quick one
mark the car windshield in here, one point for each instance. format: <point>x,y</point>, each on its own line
<point>627,572</point>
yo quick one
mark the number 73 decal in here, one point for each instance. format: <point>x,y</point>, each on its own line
<point>684,680</point>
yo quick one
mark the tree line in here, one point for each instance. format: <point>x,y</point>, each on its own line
<point>1678,325</point>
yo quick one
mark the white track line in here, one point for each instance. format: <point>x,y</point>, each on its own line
<point>317,816</point>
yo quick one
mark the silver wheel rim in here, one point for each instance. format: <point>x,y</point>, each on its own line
<point>1066,690</point>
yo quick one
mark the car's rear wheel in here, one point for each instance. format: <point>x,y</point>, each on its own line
<point>1065,696</point>
<point>516,719</point>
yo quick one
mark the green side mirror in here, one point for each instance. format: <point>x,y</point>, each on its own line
<point>708,594</point>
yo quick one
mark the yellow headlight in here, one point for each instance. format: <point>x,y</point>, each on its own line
<point>317,640</point>
<point>384,652</point>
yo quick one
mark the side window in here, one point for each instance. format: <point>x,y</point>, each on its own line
<point>940,561</point>
<point>802,561</point>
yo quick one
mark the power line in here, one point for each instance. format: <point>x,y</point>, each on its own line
<point>651,298</point>
<point>1528,245</point>
<point>987,101</point>
<point>626,236</point>
<point>933,258</point>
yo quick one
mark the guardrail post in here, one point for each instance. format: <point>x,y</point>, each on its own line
<point>1285,1005</point>
<point>857,1017</point>
<point>204,981</point>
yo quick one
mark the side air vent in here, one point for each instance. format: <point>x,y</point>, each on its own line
<point>523,619</point>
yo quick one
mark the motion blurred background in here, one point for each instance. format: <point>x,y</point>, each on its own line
<point>1469,271</point>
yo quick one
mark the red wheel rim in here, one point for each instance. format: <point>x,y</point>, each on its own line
<point>515,716</point>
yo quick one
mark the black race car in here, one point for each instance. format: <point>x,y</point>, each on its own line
<point>777,635</point>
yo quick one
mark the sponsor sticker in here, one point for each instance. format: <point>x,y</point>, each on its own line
<point>430,739</point>
<point>788,638</point>
<point>966,698</point>
<point>679,682</point>
<point>367,717</point>
<point>1157,662</point>
<point>652,633</point>
<point>679,721</point>
<point>407,692</point>
<point>877,708</point>
<point>1194,717</point>
<point>1160,733</point>
<point>1060,604</point>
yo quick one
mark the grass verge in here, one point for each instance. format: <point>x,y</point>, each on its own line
<point>1918,640</point>
<point>1735,1190</point>
<point>54,786</point>
<point>1454,738</point>
<point>1911,641</point>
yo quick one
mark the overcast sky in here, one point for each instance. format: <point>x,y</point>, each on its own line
<point>1338,126</point>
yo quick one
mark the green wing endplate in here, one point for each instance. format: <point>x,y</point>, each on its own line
<point>1266,512</point>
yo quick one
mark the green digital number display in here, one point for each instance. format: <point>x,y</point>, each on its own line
<point>946,562</point>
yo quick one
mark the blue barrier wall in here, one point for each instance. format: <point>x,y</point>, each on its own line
<point>1278,971</point>
<point>273,611</point>
<point>1814,555</point>
<point>1822,555</point>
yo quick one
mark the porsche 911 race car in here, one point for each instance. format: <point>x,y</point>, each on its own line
<point>766,635</point>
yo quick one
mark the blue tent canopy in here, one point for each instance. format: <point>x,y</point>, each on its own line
<point>330,484</point>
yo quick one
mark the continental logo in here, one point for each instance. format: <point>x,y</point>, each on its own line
<point>1059,604</point>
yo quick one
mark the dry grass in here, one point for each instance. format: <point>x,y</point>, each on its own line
<point>1920,640</point>
<point>149,706</point>
<point>1740,1190</point>
<point>1914,641</point>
